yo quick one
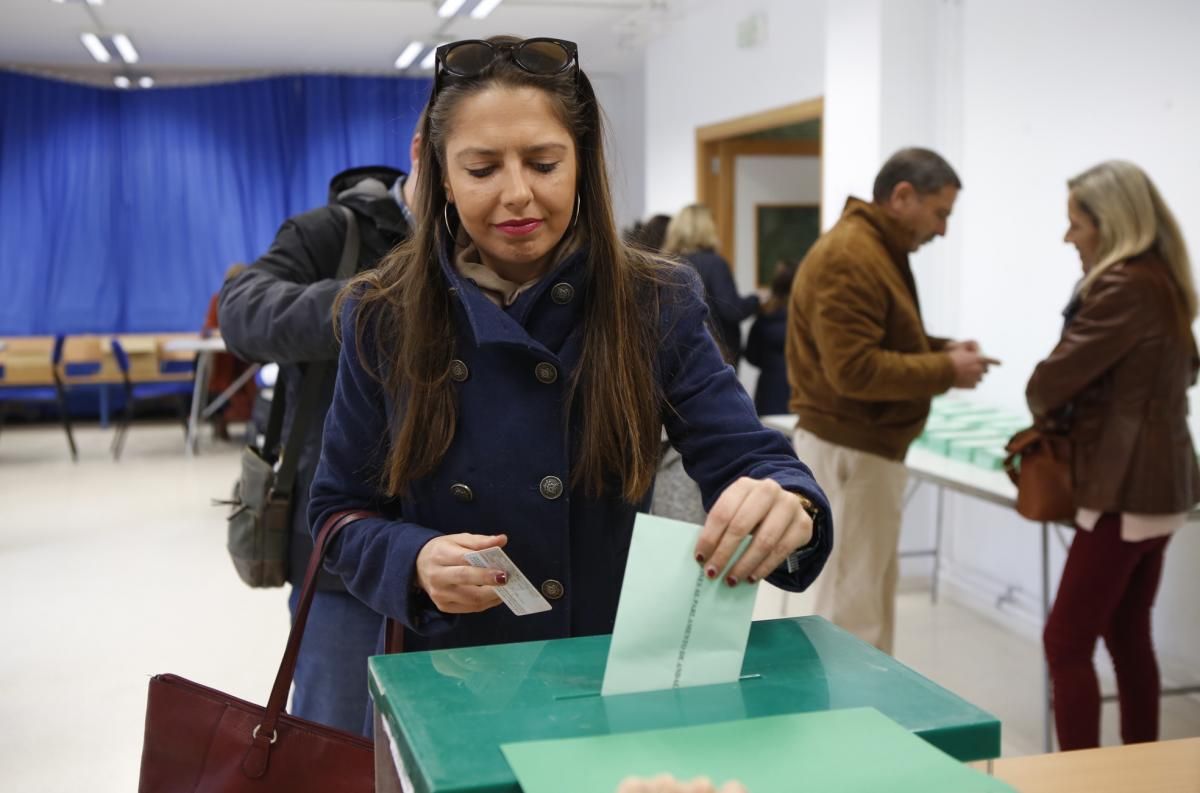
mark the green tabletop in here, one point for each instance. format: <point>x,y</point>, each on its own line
<point>450,710</point>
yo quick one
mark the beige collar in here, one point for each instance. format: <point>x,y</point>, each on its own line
<point>496,288</point>
<point>499,290</point>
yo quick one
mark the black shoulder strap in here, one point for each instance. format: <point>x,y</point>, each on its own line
<point>315,376</point>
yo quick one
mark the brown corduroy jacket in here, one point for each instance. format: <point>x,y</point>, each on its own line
<point>1123,367</point>
<point>862,368</point>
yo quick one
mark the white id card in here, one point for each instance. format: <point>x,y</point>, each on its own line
<point>518,594</point>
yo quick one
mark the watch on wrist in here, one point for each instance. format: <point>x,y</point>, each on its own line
<point>793,560</point>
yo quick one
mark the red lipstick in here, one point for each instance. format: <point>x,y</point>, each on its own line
<point>520,227</point>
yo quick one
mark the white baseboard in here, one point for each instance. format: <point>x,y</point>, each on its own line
<point>1021,612</point>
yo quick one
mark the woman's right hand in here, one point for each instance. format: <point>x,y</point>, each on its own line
<point>453,585</point>
<point>668,784</point>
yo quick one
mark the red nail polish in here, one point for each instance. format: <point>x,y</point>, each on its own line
<point>711,572</point>
<point>501,578</point>
<point>752,579</point>
<point>730,580</point>
<point>700,558</point>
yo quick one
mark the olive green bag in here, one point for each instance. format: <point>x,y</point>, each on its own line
<point>260,523</point>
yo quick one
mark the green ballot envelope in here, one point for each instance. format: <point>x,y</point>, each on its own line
<point>445,714</point>
<point>675,627</point>
<point>849,751</point>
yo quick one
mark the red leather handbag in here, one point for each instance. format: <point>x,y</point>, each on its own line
<point>201,740</point>
<point>1039,464</point>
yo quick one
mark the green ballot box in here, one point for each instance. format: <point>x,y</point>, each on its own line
<point>442,716</point>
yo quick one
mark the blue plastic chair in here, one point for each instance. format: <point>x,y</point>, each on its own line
<point>180,390</point>
<point>42,393</point>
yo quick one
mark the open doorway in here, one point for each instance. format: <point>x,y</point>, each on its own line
<point>761,176</point>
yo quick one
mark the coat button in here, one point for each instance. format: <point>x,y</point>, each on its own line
<point>459,371</point>
<point>462,493</point>
<point>552,589</point>
<point>551,488</point>
<point>453,291</point>
<point>545,373</point>
<point>562,293</point>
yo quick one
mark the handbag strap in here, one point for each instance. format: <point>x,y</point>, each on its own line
<point>270,447</point>
<point>255,763</point>
<point>315,377</point>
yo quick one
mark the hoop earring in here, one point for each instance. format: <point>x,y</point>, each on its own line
<point>575,222</point>
<point>446,217</point>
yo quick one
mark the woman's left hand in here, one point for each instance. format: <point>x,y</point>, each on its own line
<point>759,507</point>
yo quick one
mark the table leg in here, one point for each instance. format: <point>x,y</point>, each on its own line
<point>1047,694</point>
<point>220,399</point>
<point>199,392</point>
<point>937,543</point>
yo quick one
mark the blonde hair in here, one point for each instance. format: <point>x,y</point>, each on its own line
<point>1131,218</point>
<point>693,229</point>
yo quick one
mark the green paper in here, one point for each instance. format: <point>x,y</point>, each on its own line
<point>849,751</point>
<point>675,628</point>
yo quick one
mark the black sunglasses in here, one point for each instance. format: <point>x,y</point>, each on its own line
<point>470,58</point>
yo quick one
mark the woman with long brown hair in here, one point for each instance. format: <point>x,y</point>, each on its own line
<point>1119,378</point>
<point>505,375</point>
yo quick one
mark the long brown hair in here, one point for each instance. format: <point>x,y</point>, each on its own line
<point>406,304</point>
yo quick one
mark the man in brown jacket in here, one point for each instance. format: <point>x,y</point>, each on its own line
<point>863,370</point>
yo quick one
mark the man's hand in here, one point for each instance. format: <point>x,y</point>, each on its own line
<point>970,365</point>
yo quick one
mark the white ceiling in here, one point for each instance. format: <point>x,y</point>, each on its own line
<point>183,41</point>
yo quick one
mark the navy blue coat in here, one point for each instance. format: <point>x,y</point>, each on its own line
<point>765,349</point>
<point>726,307</point>
<point>510,449</point>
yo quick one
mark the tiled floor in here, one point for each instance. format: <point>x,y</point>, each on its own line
<point>111,572</point>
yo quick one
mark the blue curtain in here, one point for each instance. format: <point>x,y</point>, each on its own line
<point>121,210</point>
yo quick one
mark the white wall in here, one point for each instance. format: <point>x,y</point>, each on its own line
<point>767,180</point>
<point>697,75</point>
<point>853,91</point>
<point>622,98</point>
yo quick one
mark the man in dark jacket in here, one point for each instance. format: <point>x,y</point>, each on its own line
<point>281,310</point>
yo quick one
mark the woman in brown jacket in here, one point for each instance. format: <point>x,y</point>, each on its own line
<point>1119,378</point>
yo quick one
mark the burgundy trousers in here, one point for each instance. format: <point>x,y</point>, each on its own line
<point>1107,590</point>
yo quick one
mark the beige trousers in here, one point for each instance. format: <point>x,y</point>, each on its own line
<point>857,589</point>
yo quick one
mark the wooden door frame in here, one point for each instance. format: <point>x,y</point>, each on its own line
<point>717,150</point>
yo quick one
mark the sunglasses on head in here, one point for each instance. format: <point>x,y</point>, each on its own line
<point>470,58</point>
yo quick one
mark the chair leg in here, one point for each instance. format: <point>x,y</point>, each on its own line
<point>118,443</point>
<point>65,416</point>
<point>183,409</point>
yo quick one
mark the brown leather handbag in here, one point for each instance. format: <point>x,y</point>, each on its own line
<point>1039,464</point>
<point>201,740</point>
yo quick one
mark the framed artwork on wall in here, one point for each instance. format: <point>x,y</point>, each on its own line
<point>783,231</point>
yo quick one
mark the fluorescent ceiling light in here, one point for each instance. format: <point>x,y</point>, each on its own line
<point>428,61</point>
<point>450,8</point>
<point>121,81</point>
<point>95,2</point>
<point>125,47</point>
<point>146,82</point>
<point>484,8</point>
<point>409,55</point>
<point>95,46</point>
